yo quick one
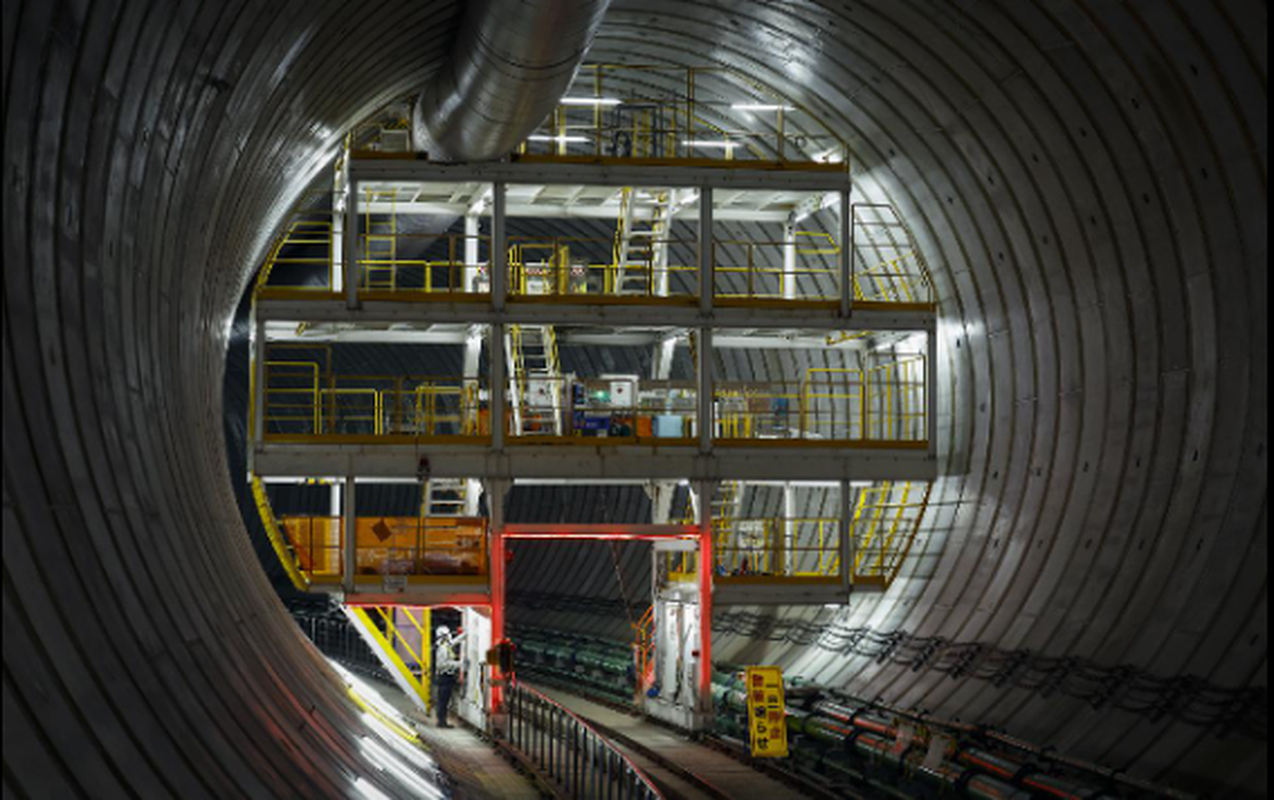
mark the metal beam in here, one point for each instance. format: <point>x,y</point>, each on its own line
<point>607,211</point>
<point>846,259</point>
<point>703,389</point>
<point>496,366</point>
<point>596,462</point>
<point>350,241</point>
<point>349,523</point>
<point>499,266</point>
<point>726,174</point>
<point>707,252</point>
<point>823,317</point>
<point>847,542</point>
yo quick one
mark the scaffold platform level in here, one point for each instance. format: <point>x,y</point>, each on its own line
<point>307,306</point>
<point>905,461</point>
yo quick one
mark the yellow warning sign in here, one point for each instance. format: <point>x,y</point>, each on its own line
<point>767,723</point>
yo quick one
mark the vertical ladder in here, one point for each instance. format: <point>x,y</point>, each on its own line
<point>380,244</point>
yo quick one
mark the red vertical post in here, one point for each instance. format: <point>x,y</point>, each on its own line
<point>497,569</point>
<point>705,595</point>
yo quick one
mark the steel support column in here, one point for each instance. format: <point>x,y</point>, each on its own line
<point>496,373</point>
<point>469,272</point>
<point>703,384</point>
<point>349,524</point>
<point>847,543</point>
<point>846,255</point>
<point>707,253</point>
<point>789,258</point>
<point>499,260</point>
<point>350,241</point>
<point>789,529</point>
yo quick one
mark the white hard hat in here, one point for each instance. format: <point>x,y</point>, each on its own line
<point>443,630</point>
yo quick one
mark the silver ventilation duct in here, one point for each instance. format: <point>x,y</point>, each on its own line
<point>509,66</point>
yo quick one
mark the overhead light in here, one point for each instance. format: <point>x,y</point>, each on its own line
<point>759,107</point>
<point>833,156</point>
<point>590,101</point>
<point>719,143</point>
<point>559,139</point>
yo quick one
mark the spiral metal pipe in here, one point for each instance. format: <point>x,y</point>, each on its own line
<point>509,66</point>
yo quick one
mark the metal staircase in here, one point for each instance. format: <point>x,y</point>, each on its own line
<point>538,398</point>
<point>641,247</point>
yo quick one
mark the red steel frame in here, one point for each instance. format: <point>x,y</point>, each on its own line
<point>702,531</point>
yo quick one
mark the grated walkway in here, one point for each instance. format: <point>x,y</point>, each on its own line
<point>718,775</point>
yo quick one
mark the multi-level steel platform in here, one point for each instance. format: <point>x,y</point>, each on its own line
<point>685,260</point>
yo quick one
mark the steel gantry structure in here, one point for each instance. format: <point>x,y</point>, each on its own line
<point>524,419</point>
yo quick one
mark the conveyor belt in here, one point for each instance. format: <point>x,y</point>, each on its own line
<point>682,768</point>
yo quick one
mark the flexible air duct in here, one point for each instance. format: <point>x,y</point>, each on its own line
<point>509,66</point>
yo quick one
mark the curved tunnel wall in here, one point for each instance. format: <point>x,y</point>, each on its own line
<point>1088,180</point>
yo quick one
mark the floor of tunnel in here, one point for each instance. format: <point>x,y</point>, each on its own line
<point>478,770</point>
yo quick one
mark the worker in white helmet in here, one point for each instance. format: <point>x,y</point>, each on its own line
<point>446,668</point>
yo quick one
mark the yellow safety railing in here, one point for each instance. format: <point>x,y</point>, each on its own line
<point>755,269</point>
<point>894,403</point>
<point>560,267</point>
<point>304,255</point>
<point>393,259</point>
<point>304,399</point>
<point>888,265</point>
<point>885,402</point>
<point>777,547</point>
<point>284,548</point>
<point>408,546</point>
<point>886,520</point>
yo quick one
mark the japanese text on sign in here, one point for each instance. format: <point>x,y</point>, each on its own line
<point>767,724</point>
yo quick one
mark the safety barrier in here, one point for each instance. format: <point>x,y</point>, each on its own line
<point>779,547</point>
<point>888,266</point>
<point>406,546</point>
<point>569,751</point>
<point>570,268</point>
<point>883,403</point>
<point>886,521</point>
<point>303,398</point>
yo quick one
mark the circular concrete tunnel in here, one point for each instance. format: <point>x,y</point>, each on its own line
<point>1087,181</point>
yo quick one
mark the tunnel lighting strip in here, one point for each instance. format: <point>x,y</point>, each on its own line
<point>539,137</point>
<point>760,107</point>
<point>590,101</point>
<point>718,143</point>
